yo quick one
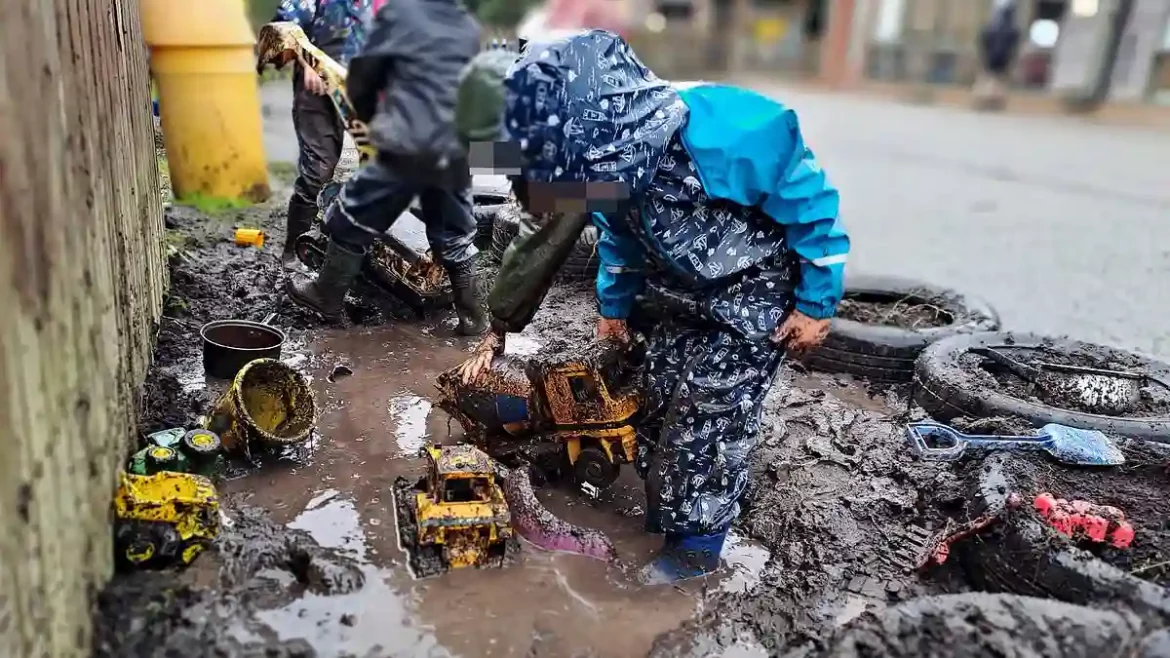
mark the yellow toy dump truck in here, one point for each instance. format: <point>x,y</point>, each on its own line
<point>456,515</point>
<point>573,412</point>
<point>164,519</point>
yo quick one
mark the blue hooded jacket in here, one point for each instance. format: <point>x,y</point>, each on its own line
<point>720,181</point>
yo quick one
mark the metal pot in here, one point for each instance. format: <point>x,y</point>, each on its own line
<point>230,344</point>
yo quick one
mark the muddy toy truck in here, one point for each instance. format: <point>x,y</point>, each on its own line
<point>400,262</point>
<point>573,413</point>
<point>164,519</point>
<point>456,515</point>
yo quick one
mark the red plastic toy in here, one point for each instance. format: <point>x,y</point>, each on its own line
<point>1080,518</point>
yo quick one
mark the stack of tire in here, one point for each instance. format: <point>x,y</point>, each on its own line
<point>582,264</point>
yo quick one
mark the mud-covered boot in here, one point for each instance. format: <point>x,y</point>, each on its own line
<point>473,320</point>
<point>684,557</point>
<point>300,220</point>
<point>326,293</point>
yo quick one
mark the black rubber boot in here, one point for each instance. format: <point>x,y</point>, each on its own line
<point>300,220</point>
<point>472,319</point>
<point>326,293</point>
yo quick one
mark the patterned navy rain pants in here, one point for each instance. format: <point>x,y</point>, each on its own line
<point>705,391</point>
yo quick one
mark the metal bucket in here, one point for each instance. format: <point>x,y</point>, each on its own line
<point>268,404</point>
<point>229,344</point>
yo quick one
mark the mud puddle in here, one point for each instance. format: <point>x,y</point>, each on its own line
<point>543,604</point>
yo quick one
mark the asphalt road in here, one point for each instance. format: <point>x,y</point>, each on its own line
<point>1064,225</point>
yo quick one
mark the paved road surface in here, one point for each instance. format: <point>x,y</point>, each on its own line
<point>1064,225</point>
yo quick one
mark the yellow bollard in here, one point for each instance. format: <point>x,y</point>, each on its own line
<point>201,56</point>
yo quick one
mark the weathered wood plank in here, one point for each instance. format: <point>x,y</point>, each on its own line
<point>82,275</point>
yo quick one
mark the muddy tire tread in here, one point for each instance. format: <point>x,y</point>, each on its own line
<point>875,351</point>
<point>946,391</point>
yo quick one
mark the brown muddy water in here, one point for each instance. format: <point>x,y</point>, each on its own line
<point>374,422</point>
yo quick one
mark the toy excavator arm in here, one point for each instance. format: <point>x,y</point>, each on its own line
<point>280,43</point>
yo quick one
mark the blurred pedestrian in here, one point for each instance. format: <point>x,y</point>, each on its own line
<point>998,43</point>
<point>337,27</point>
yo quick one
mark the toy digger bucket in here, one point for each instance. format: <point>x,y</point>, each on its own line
<point>268,403</point>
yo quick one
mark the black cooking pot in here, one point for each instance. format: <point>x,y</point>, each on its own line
<point>229,344</point>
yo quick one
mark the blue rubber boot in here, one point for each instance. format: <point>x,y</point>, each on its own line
<point>684,557</point>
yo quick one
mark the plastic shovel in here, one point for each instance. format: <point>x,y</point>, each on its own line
<point>1066,444</point>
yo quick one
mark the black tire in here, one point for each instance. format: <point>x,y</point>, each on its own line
<point>202,443</point>
<point>886,355</point>
<point>485,221</point>
<point>947,390</point>
<point>504,229</point>
<point>310,250</point>
<point>594,467</point>
<point>583,261</point>
<point>1021,555</point>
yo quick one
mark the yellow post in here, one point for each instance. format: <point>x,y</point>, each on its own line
<point>201,56</point>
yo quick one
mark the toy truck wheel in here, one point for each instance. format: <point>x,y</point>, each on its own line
<point>594,467</point>
<point>204,443</point>
<point>310,250</point>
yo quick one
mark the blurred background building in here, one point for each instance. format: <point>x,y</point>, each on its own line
<point>1115,49</point>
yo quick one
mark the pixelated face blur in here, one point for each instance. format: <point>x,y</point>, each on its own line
<point>539,198</point>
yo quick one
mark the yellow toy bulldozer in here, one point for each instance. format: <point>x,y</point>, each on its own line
<point>579,409</point>
<point>456,515</point>
<point>164,518</point>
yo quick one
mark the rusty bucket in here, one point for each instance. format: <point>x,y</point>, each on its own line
<point>268,404</point>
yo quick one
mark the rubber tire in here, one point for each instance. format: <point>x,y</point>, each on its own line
<point>946,390</point>
<point>504,230</point>
<point>594,467</point>
<point>1021,555</point>
<point>485,221</point>
<point>886,355</point>
<point>582,263</point>
<point>202,451</point>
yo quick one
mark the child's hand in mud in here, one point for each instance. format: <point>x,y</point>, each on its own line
<point>800,333</point>
<point>609,328</point>
<point>474,368</point>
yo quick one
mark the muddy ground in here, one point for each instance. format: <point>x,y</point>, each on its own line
<point>906,313</point>
<point>1154,400</point>
<point>820,564</point>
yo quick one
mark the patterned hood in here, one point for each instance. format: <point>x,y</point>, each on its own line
<point>585,109</point>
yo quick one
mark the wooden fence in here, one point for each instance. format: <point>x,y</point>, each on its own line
<point>82,277</point>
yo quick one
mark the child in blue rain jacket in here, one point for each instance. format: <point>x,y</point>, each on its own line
<point>716,216</point>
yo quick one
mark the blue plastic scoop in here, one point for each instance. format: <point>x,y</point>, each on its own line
<point>1069,445</point>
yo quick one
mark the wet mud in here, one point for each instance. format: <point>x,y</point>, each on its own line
<point>1154,400</point>
<point>905,313</point>
<point>1138,488</point>
<point>312,565</point>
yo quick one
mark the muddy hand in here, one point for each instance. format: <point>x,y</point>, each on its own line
<point>800,333</point>
<point>613,329</point>
<point>480,361</point>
